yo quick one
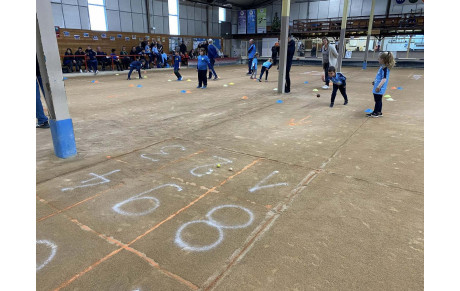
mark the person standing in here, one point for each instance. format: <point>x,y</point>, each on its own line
<point>275,52</point>
<point>177,61</point>
<point>251,52</point>
<point>212,55</point>
<point>183,48</point>
<point>386,61</point>
<point>42,120</point>
<point>202,68</point>
<point>290,55</point>
<point>330,55</point>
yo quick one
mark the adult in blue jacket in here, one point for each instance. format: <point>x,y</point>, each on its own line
<point>212,55</point>
<point>251,52</point>
<point>290,55</point>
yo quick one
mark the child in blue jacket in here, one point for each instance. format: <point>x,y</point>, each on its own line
<point>202,68</point>
<point>339,83</point>
<point>254,66</point>
<point>265,67</point>
<point>386,61</point>
<point>136,65</point>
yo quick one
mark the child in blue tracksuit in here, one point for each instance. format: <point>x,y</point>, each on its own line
<point>136,65</point>
<point>386,61</point>
<point>254,66</point>
<point>202,68</point>
<point>177,61</point>
<point>92,62</point>
<point>339,83</point>
<point>265,67</point>
<point>251,52</point>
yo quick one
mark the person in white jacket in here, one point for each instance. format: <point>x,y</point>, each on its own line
<point>329,58</point>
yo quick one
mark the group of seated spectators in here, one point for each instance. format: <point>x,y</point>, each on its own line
<point>151,52</point>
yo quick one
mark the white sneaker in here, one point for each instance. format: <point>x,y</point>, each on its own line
<point>96,72</point>
<point>325,87</point>
<point>81,71</point>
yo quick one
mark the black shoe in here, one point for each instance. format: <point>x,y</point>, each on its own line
<point>43,125</point>
<point>331,105</point>
<point>128,79</point>
<point>375,115</point>
<point>346,102</point>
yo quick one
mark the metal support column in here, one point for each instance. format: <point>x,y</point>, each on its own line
<point>53,84</point>
<point>342,35</point>
<point>369,31</point>
<point>408,47</point>
<point>286,6</point>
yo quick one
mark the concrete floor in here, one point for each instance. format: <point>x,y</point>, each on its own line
<point>306,197</point>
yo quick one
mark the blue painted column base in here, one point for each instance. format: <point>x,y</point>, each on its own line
<point>364,65</point>
<point>63,138</point>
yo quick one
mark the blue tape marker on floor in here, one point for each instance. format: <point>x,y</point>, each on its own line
<point>139,86</point>
<point>399,88</point>
<point>306,82</point>
<point>368,110</point>
<point>279,101</point>
<point>183,91</point>
<point>65,78</point>
<point>92,81</point>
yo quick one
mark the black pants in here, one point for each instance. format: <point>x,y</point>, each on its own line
<point>264,69</point>
<point>202,80</point>
<point>176,72</point>
<point>378,103</point>
<point>126,62</point>
<point>287,87</point>
<point>79,64</point>
<point>212,62</point>
<point>131,69</point>
<point>103,62</point>
<point>342,89</point>
<point>274,60</point>
<point>250,65</point>
<point>326,75</point>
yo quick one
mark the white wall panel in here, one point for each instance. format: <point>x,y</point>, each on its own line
<point>190,27</point>
<point>158,24</point>
<point>57,15</point>
<point>313,13</point>
<point>157,8</point>
<point>356,8</point>
<point>323,10</point>
<point>166,25</point>
<point>366,9</point>
<point>125,5</point>
<point>84,18</point>
<point>183,27</point>
<point>165,8</point>
<point>294,12</point>
<point>408,8</point>
<point>71,2</point>
<point>126,22</point>
<point>197,15</point>
<point>303,8</point>
<point>112,4</point>
<point>182,11</point>
<point>56,1</point>
<point>190,12</point>
<point>380,7</point>
<point>334,7</point>
<point>71,16</point>
<point>138,22</point>
<point>83,2</point>
<point>113,20</point>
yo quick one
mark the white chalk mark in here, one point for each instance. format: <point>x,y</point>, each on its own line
<point>213,223</point>
<point>187,247</point>
<point>96,176</point>
<point>259,187</point>
<point>210,170</point>
<point>117,207</point>
<point>218,224</point>
<point>416,77</point>
<point>52,254</point>
<point>162,152</point>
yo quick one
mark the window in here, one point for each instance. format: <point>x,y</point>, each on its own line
<point>173,10</point>
<point>97,16</point>
<point>222,14</point>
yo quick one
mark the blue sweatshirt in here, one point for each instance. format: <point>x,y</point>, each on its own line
<point>254,63</point>
<point>136,65</point>
<point>267,65</point>
<point>177,60</point>
<point>203,62</point>
<point>339,79</point>
<point>212,52</point>
<point>383,72</point>
<point>251,51</point>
